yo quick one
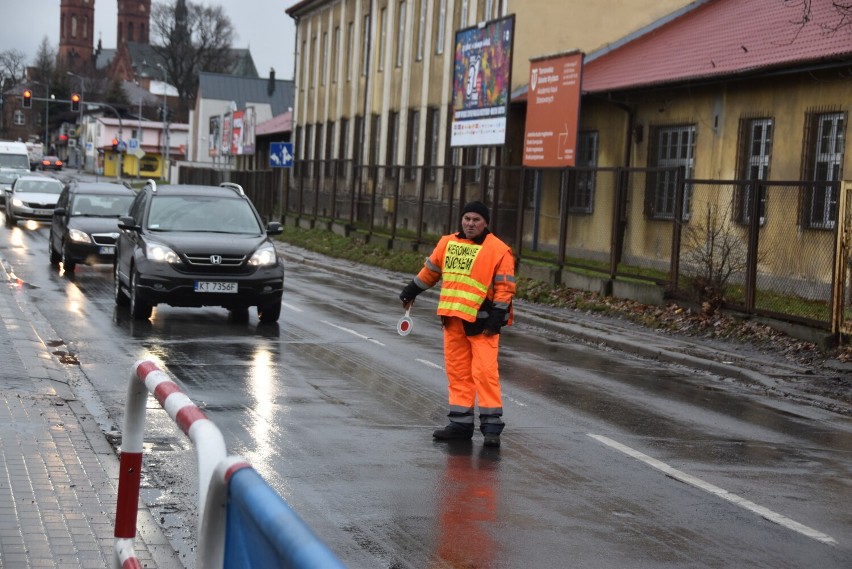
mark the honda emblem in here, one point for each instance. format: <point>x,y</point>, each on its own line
<point>216,259</point>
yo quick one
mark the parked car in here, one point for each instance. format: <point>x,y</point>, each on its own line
<point>188,245</point>
<point>32,197</point>
<point>85,223</point>
<point>6,179</point>
<point>50,163</point>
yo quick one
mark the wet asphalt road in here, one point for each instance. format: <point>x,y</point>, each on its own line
<point>607,460</point>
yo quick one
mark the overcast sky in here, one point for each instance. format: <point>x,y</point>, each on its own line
<point>260,25</point>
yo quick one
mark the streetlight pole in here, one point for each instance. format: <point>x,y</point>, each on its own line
<point>166,142</point>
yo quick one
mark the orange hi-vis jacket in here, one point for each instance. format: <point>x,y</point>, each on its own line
<point>471,271</point>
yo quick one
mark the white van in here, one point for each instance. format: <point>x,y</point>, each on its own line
<point>14,162</point>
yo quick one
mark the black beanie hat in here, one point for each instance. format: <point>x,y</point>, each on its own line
<point>477,207</point>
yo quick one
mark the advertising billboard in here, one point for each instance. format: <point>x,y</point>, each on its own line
<point>236,132</point>
<point>226,135</point>
<point>482,80</point>
<point>553,111</point>
<point>214,136</point>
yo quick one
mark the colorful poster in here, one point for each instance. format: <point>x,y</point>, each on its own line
<point>214,136</point>
<point>236,132</point>
<point>226,135</point>
<point>247,138</point>
<point>553,111</point>
<point>482,78</point>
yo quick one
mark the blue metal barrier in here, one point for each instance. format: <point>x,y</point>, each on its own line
<point>262,530</point>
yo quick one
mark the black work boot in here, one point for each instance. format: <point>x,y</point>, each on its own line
<point>492,439</point>
<point>454,431</point>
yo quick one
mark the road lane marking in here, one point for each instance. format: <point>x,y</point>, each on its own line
<point>291,307</point>
<point>715,490</point>
<point>353,332</point>
<point>430,364</point>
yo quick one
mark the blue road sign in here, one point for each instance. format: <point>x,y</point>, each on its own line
<point>281,155</point>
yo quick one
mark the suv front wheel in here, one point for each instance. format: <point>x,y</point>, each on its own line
<point>139,309</point>
<point>269,313</point>
<point>120,298</point>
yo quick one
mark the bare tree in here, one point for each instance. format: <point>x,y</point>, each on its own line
<point>805,14</point>
<point>12,66</point>
<point>714,252</point>
<point>192,38</point>
<point>44,66</point>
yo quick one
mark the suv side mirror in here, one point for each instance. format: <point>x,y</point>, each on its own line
<point>59,211</point>
<point>274,228</point>
<point>128,223</point>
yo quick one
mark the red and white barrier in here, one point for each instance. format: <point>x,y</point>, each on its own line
<point>210,451</point>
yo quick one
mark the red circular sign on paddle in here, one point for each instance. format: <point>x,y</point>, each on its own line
<point>405,324</point>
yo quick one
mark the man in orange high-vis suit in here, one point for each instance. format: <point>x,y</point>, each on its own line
<point>477,274</point>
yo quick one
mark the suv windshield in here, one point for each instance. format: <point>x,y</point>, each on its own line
<point>46,186</point>
<point>8,177</point>
<point>200,213</point>
<point>94,205</point>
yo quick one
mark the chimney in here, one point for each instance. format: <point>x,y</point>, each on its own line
<point>270,87</point>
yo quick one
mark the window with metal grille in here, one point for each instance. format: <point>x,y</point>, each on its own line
<point>671,148</point>
<point>755,143</point>
<point>826,144</point>
<point>581,181</point>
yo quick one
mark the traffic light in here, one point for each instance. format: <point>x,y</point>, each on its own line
<point>28,98</point>
<point>115,145</point>
<point>75,102</point>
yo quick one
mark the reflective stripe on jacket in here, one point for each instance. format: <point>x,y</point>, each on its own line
<point>471,271</point>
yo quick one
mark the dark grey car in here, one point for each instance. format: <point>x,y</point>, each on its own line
<point>85,223</point>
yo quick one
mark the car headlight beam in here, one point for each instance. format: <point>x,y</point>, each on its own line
<point>79,236</point>
<point>264,257</point>
<point>161,254</point>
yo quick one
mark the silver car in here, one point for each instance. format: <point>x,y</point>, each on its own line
<point>32,197</point>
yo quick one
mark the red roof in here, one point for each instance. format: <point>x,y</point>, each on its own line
<point>721,38</point>
<point>277,124</point>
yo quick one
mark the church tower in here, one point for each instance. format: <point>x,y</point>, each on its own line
<point>76,33</point>
<point>134,20</point>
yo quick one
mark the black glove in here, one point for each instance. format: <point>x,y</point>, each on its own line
<point>409,293</point>
<point>496,320</point>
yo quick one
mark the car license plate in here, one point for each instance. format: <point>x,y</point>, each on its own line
<point>107,250</point>
<point>42,212</point>
<point>211,286</point>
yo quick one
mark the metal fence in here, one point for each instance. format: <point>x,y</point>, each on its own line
<point>790,261</point>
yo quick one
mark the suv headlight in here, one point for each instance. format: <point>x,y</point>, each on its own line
<point>161,254</point>
<point>79,236</point>
<point>264,257</point>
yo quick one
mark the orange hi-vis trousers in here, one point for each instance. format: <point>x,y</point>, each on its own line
<point>473,376</point>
